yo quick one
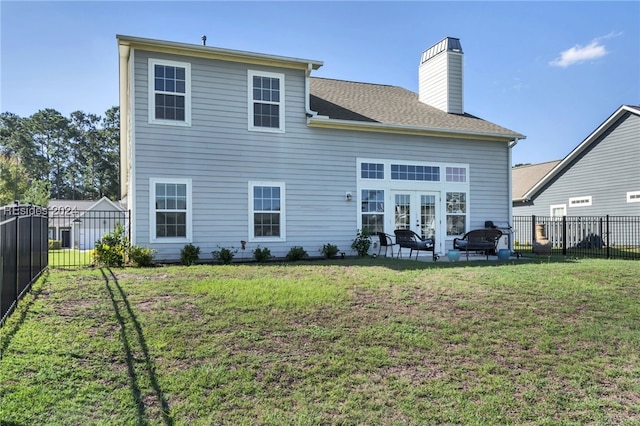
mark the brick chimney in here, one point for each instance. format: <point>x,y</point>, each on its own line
<point>440,76</point>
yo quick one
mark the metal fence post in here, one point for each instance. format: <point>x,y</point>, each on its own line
<point>564,235</point>
<point>533,231</point>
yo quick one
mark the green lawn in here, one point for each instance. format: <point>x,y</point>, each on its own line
<point>64,258</point>
<point>352,342</point>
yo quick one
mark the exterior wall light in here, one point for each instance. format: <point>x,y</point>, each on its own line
<point>348,196</point>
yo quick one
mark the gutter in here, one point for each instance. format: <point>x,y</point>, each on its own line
<point>325,122</point>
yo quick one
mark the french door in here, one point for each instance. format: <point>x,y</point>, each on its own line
<point>417,210</point>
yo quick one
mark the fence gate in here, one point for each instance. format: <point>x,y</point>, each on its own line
<point>23,252</point>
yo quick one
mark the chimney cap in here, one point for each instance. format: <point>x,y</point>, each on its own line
<point>447,44</point>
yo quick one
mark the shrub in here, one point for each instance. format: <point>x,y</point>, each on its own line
<point>112,249</point>
<point>329,250</point>
<point>262,254</point>
<point>296,253</point>
<point>141,256</point>
<point>224,255</point>
<point>362,242</point>
<point>55,244</point>
<point>189,254</point>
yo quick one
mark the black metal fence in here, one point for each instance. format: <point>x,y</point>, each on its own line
<point>611,237</point>
<point>74,233</point>
<point>23,252</point>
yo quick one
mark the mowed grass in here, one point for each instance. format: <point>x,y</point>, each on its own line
<point>352,342</point>
<point>70,258</point>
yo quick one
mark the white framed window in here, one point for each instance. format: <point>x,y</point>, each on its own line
<point>415,172</point>
<point>267,211</point>
<point>372,170</point>
<point>456,207</point>
<point>633,197</point>
<point>580,201</point>
<point>169,92</point>
<point>266,101</point>
<point>456,174</point>
<point>557,211</point>
<point>170,210</point>
<point>372,209</point>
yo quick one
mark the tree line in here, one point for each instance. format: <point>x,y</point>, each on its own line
<point>48,155</point>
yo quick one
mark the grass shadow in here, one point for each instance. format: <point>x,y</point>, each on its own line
<point>127,318</point>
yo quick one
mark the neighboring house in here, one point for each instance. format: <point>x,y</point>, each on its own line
<point>81,223</point>
<point>221,146</point>
<point>601,176</point>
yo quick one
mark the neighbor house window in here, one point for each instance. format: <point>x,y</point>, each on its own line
<point>580,201</point>
<point>557,211</point>
<point>169,92</point>
<point>171,210</point>
<point>266,211</point>
<point>372,210</point>
<point>456,213</point>
<point>633,197</point>
<point>266,101</point>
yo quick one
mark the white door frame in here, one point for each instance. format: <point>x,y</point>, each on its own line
<point>415,214</point>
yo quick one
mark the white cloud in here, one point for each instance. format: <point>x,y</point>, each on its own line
<point>578,54</point>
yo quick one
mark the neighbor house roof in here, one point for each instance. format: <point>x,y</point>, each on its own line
<point>392,107</point>
<point>523,178</point>
<point>567,161</point>
<point>69,210</point>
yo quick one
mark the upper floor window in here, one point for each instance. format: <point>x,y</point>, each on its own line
<point>169,92</point>
<point>266,101</point>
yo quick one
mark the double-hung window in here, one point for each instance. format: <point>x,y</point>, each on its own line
<point>266,211</point>
<point>169,92</point>
<point>266,101</point>
<point>170,210</point>
<point>372,210</point>
<point>456,213</point>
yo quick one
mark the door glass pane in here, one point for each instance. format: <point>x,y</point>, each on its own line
<point>402,211</point>
<point>427,216</point>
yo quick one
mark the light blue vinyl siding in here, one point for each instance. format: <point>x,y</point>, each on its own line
<point>606,172</point>
<point>318,166</point>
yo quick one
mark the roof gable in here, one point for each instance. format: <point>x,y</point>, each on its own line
<point>569,159</point>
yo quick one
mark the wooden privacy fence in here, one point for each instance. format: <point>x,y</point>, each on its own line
<point>611,237</point>
<point>23,252</point>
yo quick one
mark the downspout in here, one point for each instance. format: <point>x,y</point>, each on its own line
<point>307,93</point>
<point>510,190</point>
<point>123,63</point>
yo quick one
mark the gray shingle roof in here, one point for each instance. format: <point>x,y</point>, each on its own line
<point>523,178</point>
<point>393,105</point>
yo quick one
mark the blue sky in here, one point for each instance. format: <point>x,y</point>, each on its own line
<point>552,71</point>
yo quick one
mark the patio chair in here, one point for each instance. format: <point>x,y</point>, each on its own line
<point>386,241</point>
<point>406,238</point>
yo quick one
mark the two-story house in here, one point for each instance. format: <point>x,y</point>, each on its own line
<point>220,146</point>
